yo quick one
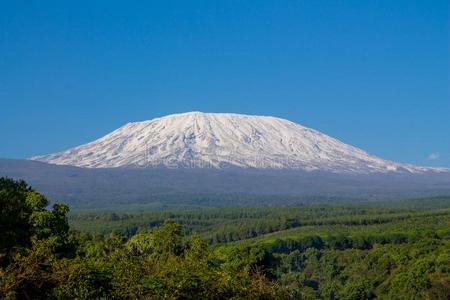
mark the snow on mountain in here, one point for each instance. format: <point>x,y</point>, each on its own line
<point>220,140</point>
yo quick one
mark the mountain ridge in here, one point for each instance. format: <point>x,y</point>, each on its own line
<point>223,140</point>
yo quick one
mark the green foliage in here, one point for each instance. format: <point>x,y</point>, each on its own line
<point>299,252</point>
<point>14,215</point>
<point>23,216</point>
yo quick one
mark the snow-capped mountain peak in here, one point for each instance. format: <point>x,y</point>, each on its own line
<point>220,140</point>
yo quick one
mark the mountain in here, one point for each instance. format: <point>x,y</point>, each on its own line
<point>223,140</point>
<point>220,159</point>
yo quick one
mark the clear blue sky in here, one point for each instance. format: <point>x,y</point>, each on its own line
<point>374,74</point>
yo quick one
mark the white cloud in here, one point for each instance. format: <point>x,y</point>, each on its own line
<point>434,156</point>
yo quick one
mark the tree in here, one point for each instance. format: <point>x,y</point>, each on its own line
<point>23,215</point>
<point>15,230</point>
<point>30,239</point>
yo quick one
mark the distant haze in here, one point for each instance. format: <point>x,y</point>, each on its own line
<point>216,187</point>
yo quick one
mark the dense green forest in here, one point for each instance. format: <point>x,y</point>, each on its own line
<point>365,250</point>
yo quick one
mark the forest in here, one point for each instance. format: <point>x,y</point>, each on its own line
<point>343,250</point>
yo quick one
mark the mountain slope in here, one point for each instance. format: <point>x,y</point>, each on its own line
<point>216,187</point>
<point>219,140</point>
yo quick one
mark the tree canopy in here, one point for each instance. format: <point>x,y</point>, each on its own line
<point>262,253</point>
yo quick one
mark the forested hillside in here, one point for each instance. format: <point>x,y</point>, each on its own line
<point>386,250</point>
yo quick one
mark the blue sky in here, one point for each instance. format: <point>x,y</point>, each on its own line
<point>374,74</point>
